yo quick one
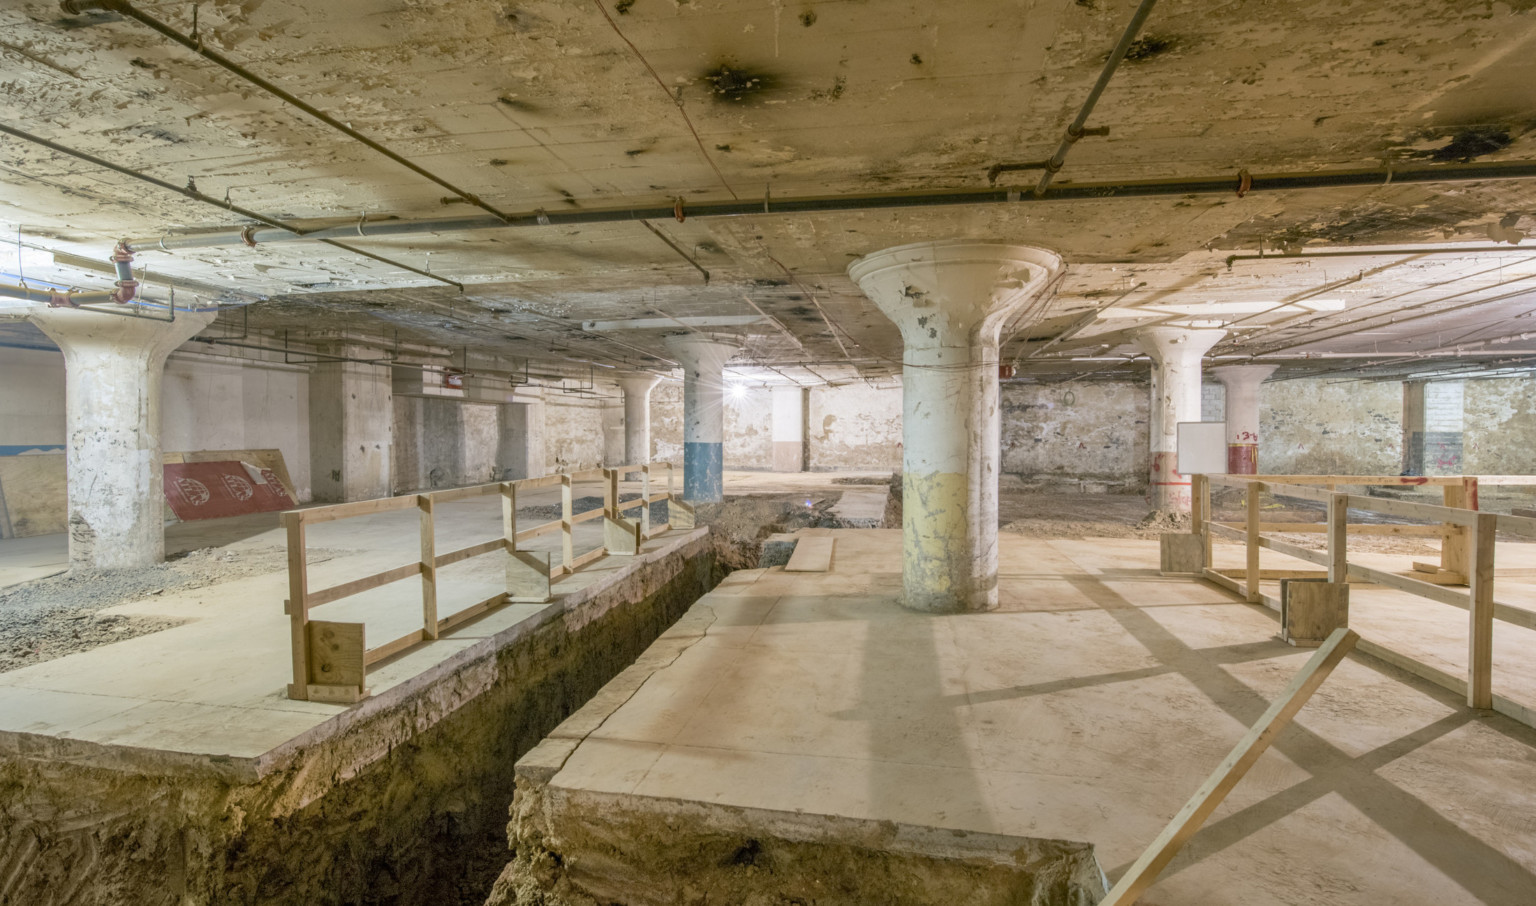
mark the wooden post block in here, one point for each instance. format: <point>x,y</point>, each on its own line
<point>1144,871</point>
<point>1251,583</point>
<point>509,514</point>
<point>1181,554</point>
<point>337,652</point>
<point>1311,609</point>
<point>680,515</point>
<point>428,566</point>
<point>621,536</point>
<point>298,604</point>
<point>1480,628</point>
<point>528,576</point>
<point>611,492</point>
<point>1201,523</point>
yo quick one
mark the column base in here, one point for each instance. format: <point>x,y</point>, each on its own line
<point>702,465</point>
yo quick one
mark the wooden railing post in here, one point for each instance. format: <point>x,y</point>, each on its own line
<point>567,550</point>
<point>428,566</point>
<point>1456,553</point>
<point>509,514</point>
<point>1200,519</point>
<point>611,493</point>
<point>1480,629</point>
<point>1251,585</point>
<point>1338,538</point>
<point>645,495</point>
<point>298,604</point>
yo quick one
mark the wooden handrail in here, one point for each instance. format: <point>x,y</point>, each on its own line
<point>301,601</point>
<point>1469,542</point>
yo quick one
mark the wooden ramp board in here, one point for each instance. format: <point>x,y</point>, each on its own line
<point>812,555</point>
<point>210,490</point>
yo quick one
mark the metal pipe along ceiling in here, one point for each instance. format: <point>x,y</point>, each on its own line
<point>1084,191</point>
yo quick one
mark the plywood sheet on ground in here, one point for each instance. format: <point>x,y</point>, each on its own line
<point>32,500</point>
<point>812,555</point>
<point>266,459</point>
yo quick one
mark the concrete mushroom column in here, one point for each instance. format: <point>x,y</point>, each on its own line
<point>1175,354</point>
<point>1242,414</point>
<point>637,417</point>
<point>112,371</point>
<point>950,299</point>
<point>703,359</point>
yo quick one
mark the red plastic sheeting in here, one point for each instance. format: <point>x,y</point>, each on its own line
<point>211,490</point>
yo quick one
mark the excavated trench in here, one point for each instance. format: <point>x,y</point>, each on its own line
<point>404,802</point>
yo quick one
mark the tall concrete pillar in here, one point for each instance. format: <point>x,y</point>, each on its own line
<point>1242,414</point>
<point>351,428</point>
<point>112,371</point>
<point>703,359</point>
<point>789,429</point>
<point>950,299</point>
<point>637,417</point>
<point>1175,354</point>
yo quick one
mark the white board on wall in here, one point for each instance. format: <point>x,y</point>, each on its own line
<point>1202,448</point>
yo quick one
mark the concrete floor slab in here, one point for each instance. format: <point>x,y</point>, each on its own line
<point>1087,708</point>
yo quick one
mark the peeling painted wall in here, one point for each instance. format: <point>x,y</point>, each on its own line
<point>1326,427</point>
<point>1083,431</point>
<point>1500,427</point>
<point>855,427</point>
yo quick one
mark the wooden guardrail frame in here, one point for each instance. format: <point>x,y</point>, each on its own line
<point>1479,530</point>
<point>330,659</point>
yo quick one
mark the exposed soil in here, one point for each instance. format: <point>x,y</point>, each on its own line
<point>740,524</point>
<point>60,615</point>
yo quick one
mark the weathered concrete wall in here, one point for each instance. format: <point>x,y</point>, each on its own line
<point>444,443</point>
<point>1330,427</point>
<point>749,429</point>
<point>352,421</point>
<point>855,427</point>
<point>1500,427</point>
<point>403,801</point>
<point>667,422</point>
<point>573,431</point>
<point>1093,431</point>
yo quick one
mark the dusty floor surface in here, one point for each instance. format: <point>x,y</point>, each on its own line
<point>1087,708</point>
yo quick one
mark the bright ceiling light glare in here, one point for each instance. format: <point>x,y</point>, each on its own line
<point>738,391</point>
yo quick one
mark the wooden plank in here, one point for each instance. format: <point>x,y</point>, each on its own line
<point>1251,586</point>
<point>390,649</point>
<point>1519,524</point>
<point>428,567</point>
<point>631,505</point>
<point>536,531</point>
<point>465,493</point>
<point>1317,495</point>
<point>298,605</point>
<point>1294,550</point>
<point>1144,871</point>
<point>586,516</point>
<point>1224,581</point>
<point>358,508</point>
<point>1424,512</point>
<point>811,555</point>
<point>1505,480</point>
<point>367,583</point>
<point>336,653</point>
<point>1270,574</point>
<point>1362,480</point>
<point>1434,575</point>
<point>473,611</point>
<point>1223,531</point>
<point>565,523</point>
<point>1355,528</point>
<point>1414,586</point>
<point>1480,611</point>
<point>474,550</point>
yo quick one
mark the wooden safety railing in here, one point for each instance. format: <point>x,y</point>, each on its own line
<point>331,659</point>
<point>1467,550</point>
